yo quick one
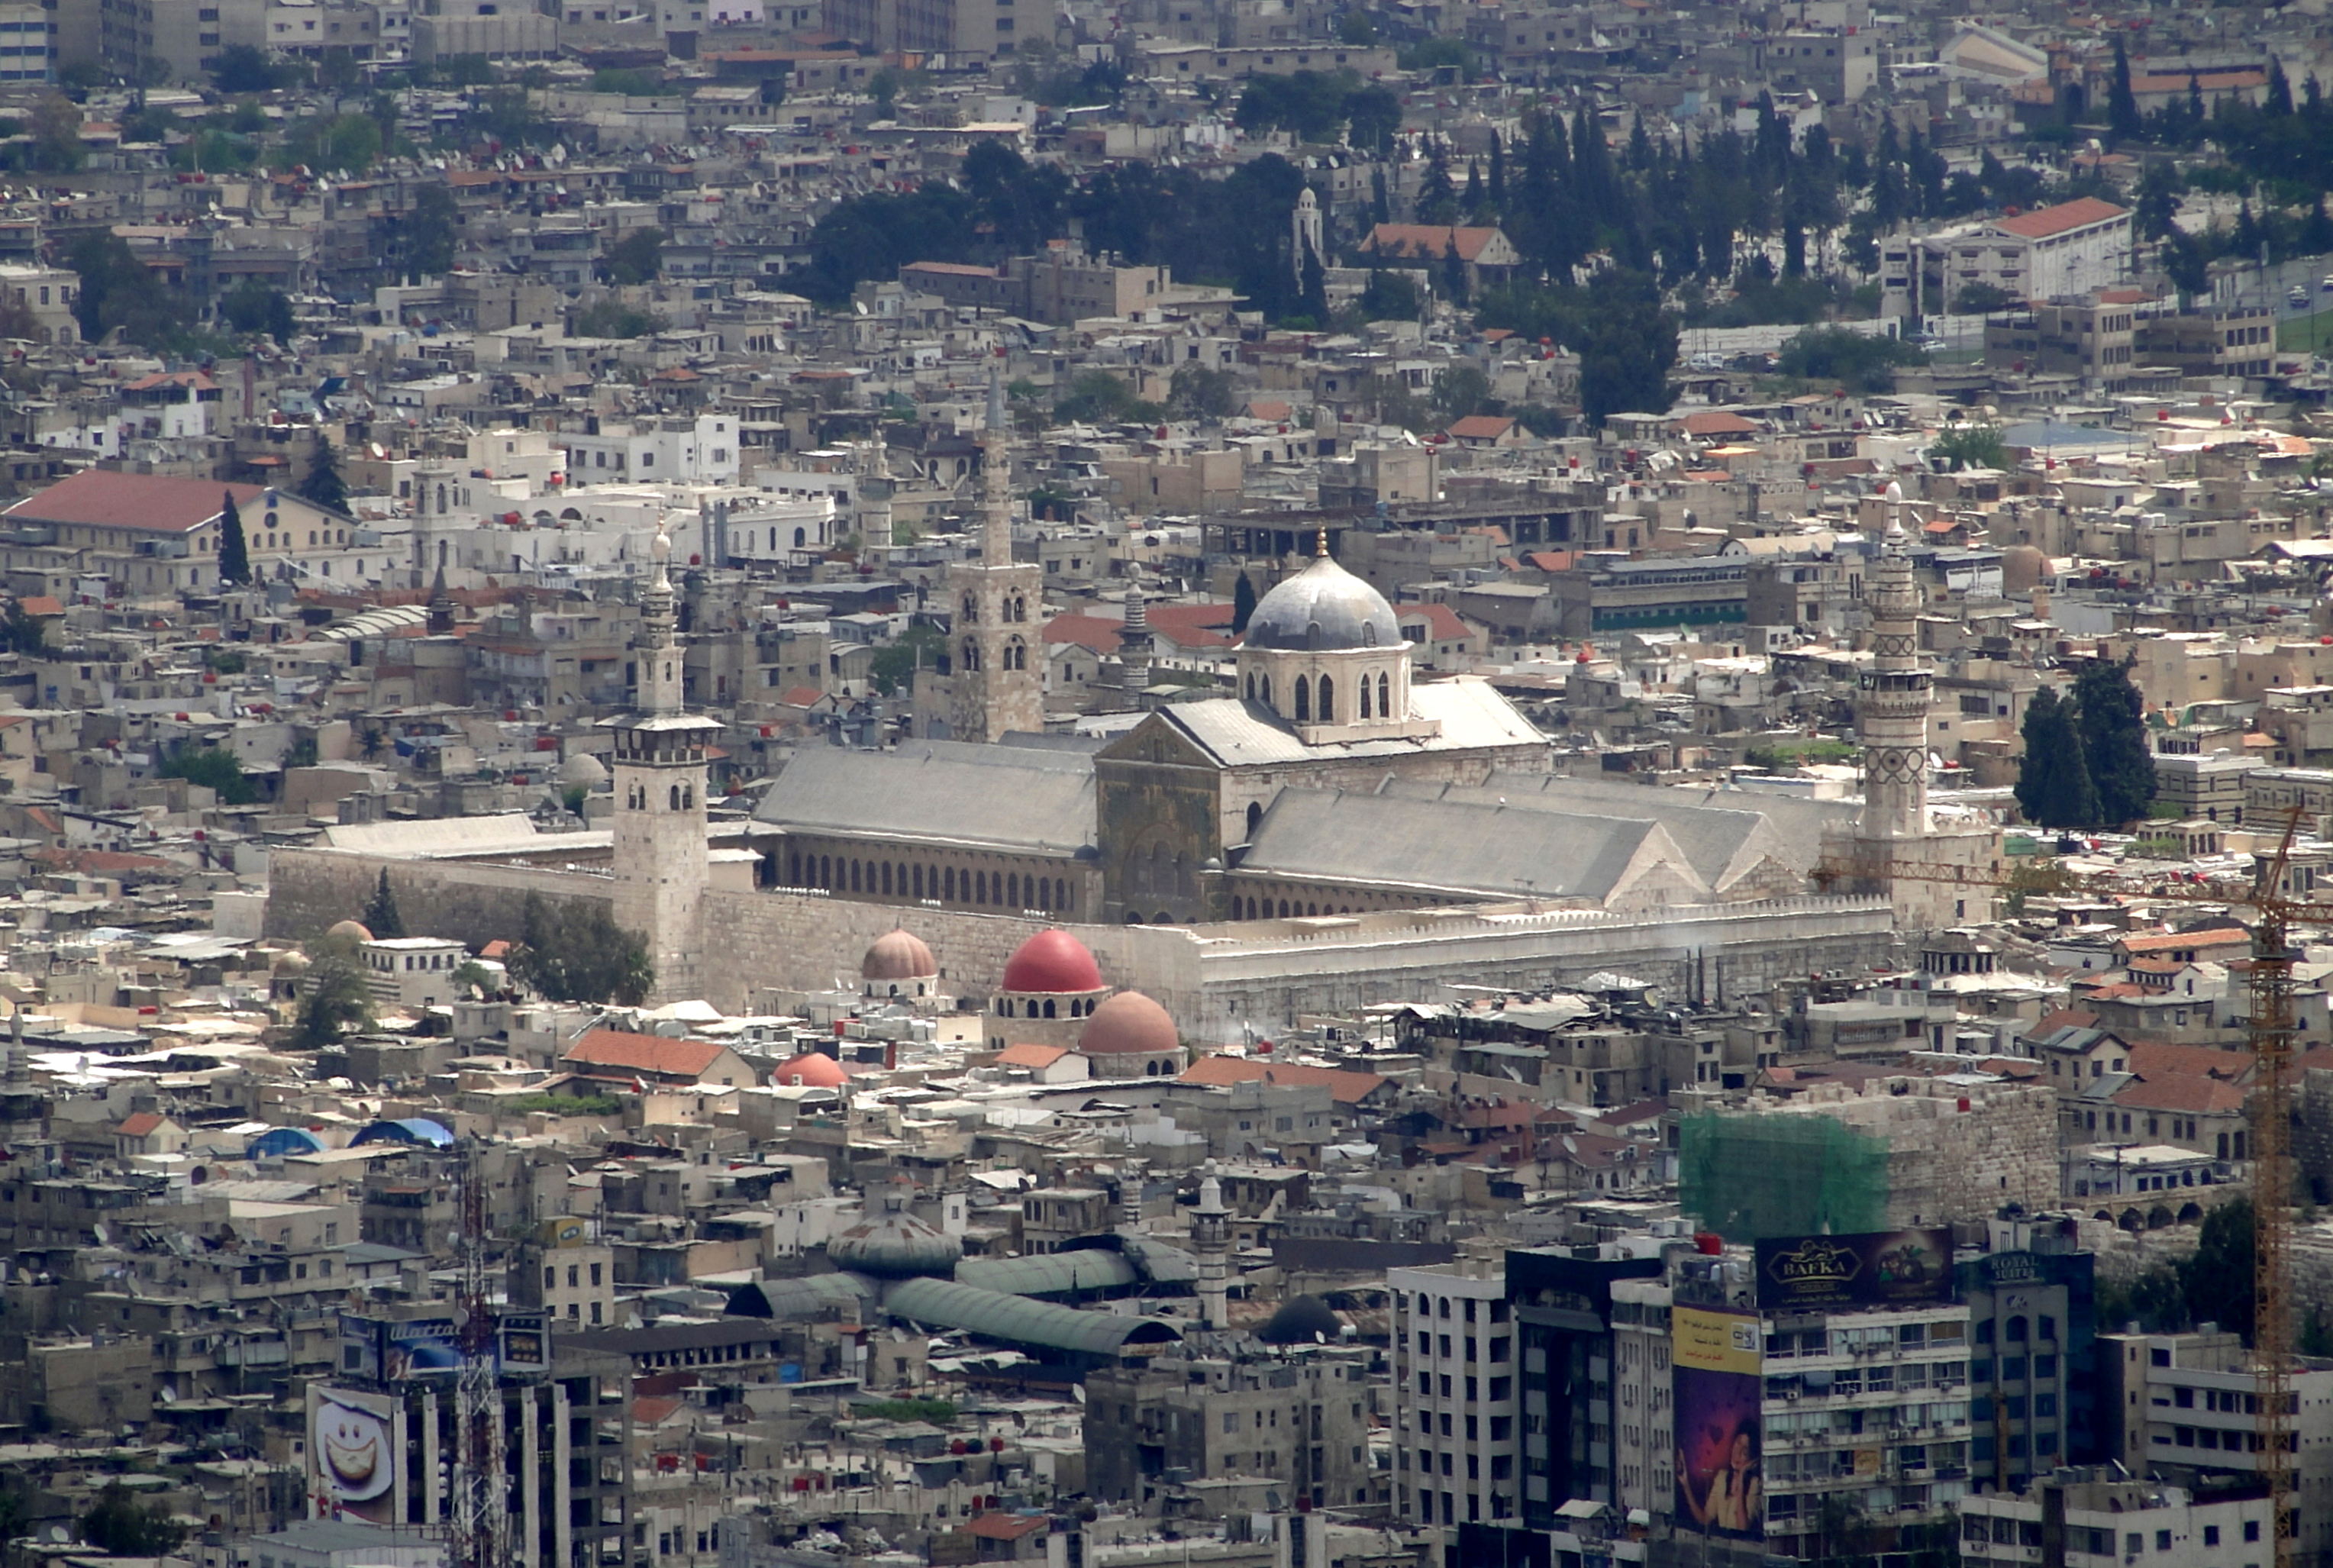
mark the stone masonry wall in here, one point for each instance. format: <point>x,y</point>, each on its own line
<point>310,889</point>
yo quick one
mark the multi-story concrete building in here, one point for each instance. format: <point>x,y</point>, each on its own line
<point>1455,1443</point>
<point>2188,1404</point>
<point>1300,1419</point>
<point>2063,252</point>
<point>2105,1518</point>
<point>2034,1387</point>
<point>571,1280</point>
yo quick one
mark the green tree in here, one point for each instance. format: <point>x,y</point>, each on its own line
<point>895,663</point>
<point>243,68</point>
<point>1459,390</point>
<point>1628,349</point>
<point>322,483</point>
<point>1970,446</point>
<point>631,83</point>
<point>55,126</point>
<point>117,291</point>
<point>380,913</point>
<point>609,319</point>
<point>120,1526</point>
<point>2053,782</point>
<point>253,308</point>
<point>574,951</point>
<point>1201,392</point>
<point>213,769</point>
<point>426,243</point>
<point>636,258</point>
<point>235,551</point>
<point>21,633</point>
<point>1390,296</point>
<point>2122,108</point>
<point>1982,299</point>
<point>2114,741</point>
<point>1842,355</point>
<point>339,999</point>
<point>1243,603</point>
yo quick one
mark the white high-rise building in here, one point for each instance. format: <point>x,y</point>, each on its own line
<point>1455,1365</point>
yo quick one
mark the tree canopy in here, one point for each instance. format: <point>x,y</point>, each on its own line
<point>2053,781</point>
<point>573,951</point>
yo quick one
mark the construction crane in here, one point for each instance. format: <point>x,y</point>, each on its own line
<point>2270,1030</point>
<point>477,1514</point>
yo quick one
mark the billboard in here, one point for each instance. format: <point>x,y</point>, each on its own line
<point>419,1348</point>
<point>525,1341</point>
<point>1715,1358</point>
<point>1877,1268</point>
<point>354,1442</point>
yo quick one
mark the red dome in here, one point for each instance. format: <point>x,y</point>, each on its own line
<point>1128,1025</point>
<point>811,1069</point>
<point>1051,962</point>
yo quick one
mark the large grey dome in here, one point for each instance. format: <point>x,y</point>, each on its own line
<point>894,1245</point>
<point>1324,606</point>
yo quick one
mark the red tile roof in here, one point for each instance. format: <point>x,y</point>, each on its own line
<point>1716,422</point>
<point>1006,1527</point>
<point>1028,1055</point>
<point>41,605</point>
<point>1427,239</point>
<point>141,1125</point>
<point>1223,1071</point>
<point>2182,1092</point>
<point>1441,622</point>
<point>615,1049</point>
<point>1482,428</point>
<point>2064,218</point>
<point>100,497</point>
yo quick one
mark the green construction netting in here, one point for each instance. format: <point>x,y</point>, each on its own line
<point>1752,1177</point>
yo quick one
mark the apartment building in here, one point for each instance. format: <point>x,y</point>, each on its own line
<point>2104,1518</point>
<point>1455,1443</point>
<point>1298,1418</point>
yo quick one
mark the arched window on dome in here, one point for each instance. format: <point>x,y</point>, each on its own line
<point>1303,701</point>
<point>1328,700</point>
<point>1365,697</point>
<point>1150,1069</point>
<point>1266,678</point>
<point>1254,818</point>
<point>1049,1007</point>
<point>1384,694</point>
<point>1251,686</point>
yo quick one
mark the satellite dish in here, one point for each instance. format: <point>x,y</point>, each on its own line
<point>104,1235</point>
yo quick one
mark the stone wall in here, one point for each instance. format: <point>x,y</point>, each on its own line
<point>1217,981</point>
<point>470,902</point>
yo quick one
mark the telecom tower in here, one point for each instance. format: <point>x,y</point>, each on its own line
<point>478,1511</point>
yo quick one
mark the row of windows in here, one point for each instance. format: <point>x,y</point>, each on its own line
<point>891,880</point>
<point>1500,1389</point>
<point>1425,1345</point>
<point>681,798</point>
<point>1324,697</point>
<point>1502,1505</point>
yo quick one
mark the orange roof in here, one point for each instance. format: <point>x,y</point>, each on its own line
<point>40,605</point>
<point>2182,1092</point>
<point>1483,427</point>
<point>1028,1055</point>
<point>1223,1071</point>
<point>2207,80</point>
<point>1095,632</point>
<point>1716,422</point>
<point>141,1125</point>
<point>2066,216</point>
<point>1268,408</point>
<point>1441,622</point>
<point>1427,240</point>
<point>2150,1058</point>
<point>2165,941</point>
<point>100,497</point>
<point>614,1048</point>
<point>1006,1527</point>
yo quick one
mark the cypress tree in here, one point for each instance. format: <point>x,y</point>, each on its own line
<point>323,485</point>
<point>234,552</point>
<point>2113,727</point>
<point>1243,603</point>
<point>380,915</point>
<point>2053,782</point>
<point>2122,108</point>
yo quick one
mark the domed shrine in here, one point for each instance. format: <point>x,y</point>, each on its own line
<point>891,1243</point>
<point>1131,1036</point>
<point>1324,652</point>
<point>899,963</point>
<point>811,1069</point>
<point>1050,987</point>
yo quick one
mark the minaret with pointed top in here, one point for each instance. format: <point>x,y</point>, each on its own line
<point>1892,719</point>
<point>661,861</point>
<point>1134,647</point>
<point>997,682</point>
<point>1211,1243</point>
<point>441,607</point>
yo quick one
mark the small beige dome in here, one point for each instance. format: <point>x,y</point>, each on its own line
<point>1128,1025</point>
<point>584,769</point>
<point>898,955</point>
<point>350,931</point>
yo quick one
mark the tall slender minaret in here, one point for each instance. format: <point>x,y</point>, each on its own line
<point>1211,1243</point>
<point>1134,648</point>
<point>1892,718</point>
<point>659,778</point>
<point>998,684</point>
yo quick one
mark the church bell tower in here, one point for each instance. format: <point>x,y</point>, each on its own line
<point>659,778</point>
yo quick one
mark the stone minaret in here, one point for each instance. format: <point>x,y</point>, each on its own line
<point>659,778</point>
<point>1134,648</point>
<point>1892,718</point>
<point>1211,1242</point>
<point>1304,233</point>
<point>999,678</point>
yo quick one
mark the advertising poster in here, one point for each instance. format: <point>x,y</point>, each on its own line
<point>419,1348</point>
<point>1720,1487</point>
<point>352,1454</point>
<point>1876,1268</point>
<point>525,1346</point>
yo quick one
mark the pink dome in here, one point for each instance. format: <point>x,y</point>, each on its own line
<point>898,955</point>
<point>811,1070</point>
<point>1128,1025</point>
<point>1051,962</point>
